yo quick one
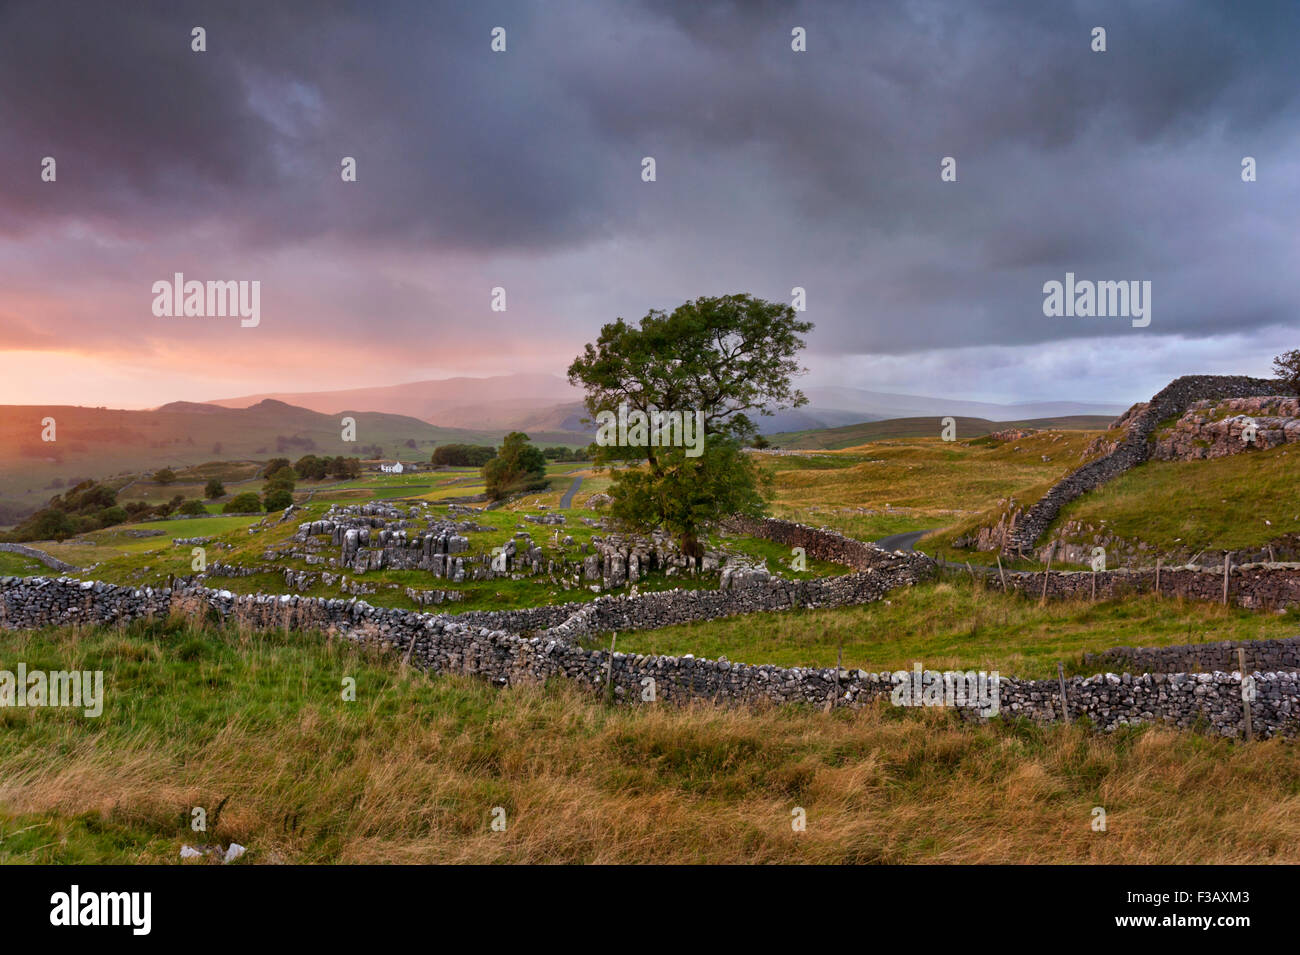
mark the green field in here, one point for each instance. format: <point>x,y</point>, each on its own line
<point>1228,503</point>
<point>960,624</point>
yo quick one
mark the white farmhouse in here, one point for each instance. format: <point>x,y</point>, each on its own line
<point>394,468</point>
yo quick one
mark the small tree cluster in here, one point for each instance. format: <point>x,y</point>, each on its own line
<point>245,503</point>
<point>518,467</point>
<point>313,468</point>
<point>463,455</point>
<point>278,493</point>
<point>559,453</point>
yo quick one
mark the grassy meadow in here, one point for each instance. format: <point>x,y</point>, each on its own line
<point>958,623</point>
<point>253,729</point>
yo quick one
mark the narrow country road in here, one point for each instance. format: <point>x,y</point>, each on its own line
<point>567,501</point>
<point>904,542</point>
<point>907,542</point>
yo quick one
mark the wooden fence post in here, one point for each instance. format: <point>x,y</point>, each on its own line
<point>1043,601</point>
<point>1158,561</point>
<point>1227,563</point>
<point>1065,703</point>
<point>1001,575</point>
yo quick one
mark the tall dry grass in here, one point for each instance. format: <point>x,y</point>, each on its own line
<point>412,771</point>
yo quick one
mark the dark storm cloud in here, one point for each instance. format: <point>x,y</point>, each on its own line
<point>775,169</point>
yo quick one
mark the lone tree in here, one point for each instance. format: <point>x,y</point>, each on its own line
<point>713,360</point>
<point>1287,367</point>
<point>214,489</point>
<point>517,467</point>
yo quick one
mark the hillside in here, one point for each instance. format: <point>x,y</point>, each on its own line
<point>849,436</point>
<point>103,442</point>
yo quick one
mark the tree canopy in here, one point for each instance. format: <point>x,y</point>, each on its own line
<point>519,466</point>
<point>721,361</point>
<point>1287,367</point>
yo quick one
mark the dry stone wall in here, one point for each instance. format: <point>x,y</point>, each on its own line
<point>447,644</point>
<point>51,562</point>
<point>537,644</point>
<point>1256,586</point>
<point>1135,448</point>
<point>1266,655</point>
<point>379,536</point>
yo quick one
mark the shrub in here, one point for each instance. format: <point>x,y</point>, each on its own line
<point>112,515</point>
<point>1287,367</point>
<point>215,489</point>
<point>519,467</point>
<point>165,476</point>
<point>345,468</point>
<point>193,507</point>
<point>245,503</point>
<point>278,499</point>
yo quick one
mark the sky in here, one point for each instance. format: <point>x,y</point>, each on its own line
<point>522,170</point>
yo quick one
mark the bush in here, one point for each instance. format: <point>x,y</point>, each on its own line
<point>245,503</point>
<point>214,490</point>
<point>193,507</point>
<point>47,524</point>
<point>86,506</point>
<point>519,467</point>
<point>165,476</point>
<point>278,499</point>
<point>1287,367</point>
<point>345,468</point>
<point>310,467</point>
<point>112,515</point>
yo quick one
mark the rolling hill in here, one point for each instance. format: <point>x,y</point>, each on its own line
<point>830,439</point>
<point>102,442</point>
<point>497,403</point>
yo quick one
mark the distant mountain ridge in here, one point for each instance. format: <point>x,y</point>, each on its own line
<point>528,402</point>
<point>492,403</point>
